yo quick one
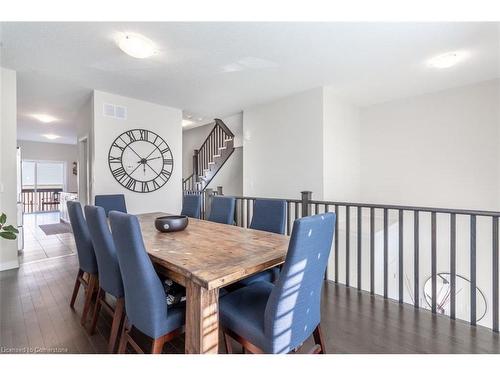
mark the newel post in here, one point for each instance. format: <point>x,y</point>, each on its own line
<point>306,205</point>
<point>195,166</point>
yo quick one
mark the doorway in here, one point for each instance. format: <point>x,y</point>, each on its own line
<point>42,183</point>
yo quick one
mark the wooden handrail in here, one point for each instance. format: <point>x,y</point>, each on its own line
<point>224,127</point>
<point>211,156</point>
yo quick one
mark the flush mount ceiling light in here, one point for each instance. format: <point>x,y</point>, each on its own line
<point>51,136</point>
<point>136,45</point>
<point>447,60</point>
<point>44,118</point>
<point>187,122</point>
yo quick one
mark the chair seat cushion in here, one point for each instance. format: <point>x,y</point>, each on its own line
<point>242,312</point>
<point>268,275</point>
<point>176,317</point>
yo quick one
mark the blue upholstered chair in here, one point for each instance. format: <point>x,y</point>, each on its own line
<point>145,299</point>
<point>111,202</point>
<point>86,258</point>
<point>191,205</point>
<point>267,318</point>
<point>268,215</point>
<point>222,210</point>
<point>110,278</point>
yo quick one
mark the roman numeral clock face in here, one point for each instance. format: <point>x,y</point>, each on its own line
<point>140,160</point>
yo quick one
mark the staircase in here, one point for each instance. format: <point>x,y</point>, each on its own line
<point>210,157</point>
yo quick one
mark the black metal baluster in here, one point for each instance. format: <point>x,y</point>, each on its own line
<point>347,244</point>
<point>316,208</point>
<point>473,270</point>
<point>453,264</point>
<point>296,210</point>
<point>372,250</point>
<point>416,258</point>
<point>288,220</point>
<point>433,262</point>
<point>335,234</point>
<point>400,256</point>
<point>495,274</point>
<point>336,239</point>
<point>241,213</point>
<point>359,246</point>
<point>386,254</point>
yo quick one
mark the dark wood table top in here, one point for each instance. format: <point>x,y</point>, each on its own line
<point>210,254</point>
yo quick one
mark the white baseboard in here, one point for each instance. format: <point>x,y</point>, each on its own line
<point>9,265</point>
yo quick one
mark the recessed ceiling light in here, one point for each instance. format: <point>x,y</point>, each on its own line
<point>51,136</point>
<point>187,122</point>
<point>136,45</point>
<point>44,118</point>
<point>447,60</point>
<point>200,118</point>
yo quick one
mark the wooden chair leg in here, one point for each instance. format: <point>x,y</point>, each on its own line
<point>88,298</point>
<point>227,342</point>
<point>115,326</point>
<point>318,339</point>
<point>100,295</point>
<point>157,346</point>
<point>76,288</point>
<point>124,337</point>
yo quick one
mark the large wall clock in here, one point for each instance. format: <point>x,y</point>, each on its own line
<point>140,160</point>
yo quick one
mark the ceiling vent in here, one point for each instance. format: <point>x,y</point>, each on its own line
<point>118,112</point>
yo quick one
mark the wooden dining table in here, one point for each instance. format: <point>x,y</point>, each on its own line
<point>204,258</point>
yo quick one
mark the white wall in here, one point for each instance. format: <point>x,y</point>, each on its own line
<point>230,176</point>
<point>283,147</point>
<point>53,152</point>
<point>8,166</point>
<point>85,146</point>
<point>342,149</point>
<point>439,149</point>
<point>166,122</point>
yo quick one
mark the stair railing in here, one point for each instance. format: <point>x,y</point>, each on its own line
<point>209,158</point>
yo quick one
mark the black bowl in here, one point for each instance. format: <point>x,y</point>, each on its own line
<point>171,223</point>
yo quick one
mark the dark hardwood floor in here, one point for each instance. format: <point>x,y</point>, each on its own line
<point>35,317</point>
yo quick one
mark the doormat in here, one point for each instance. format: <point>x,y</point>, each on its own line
<point>58,228</point>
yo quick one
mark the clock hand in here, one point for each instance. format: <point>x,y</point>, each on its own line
<point>157,174</point>
<point>158,157</point>
<point>136,152</point>
<point>150,153</point>
<point>130,174</point>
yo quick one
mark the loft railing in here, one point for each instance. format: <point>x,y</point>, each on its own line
<point>40,200</point>
<point>365,233</point>
<point>210,157</point>
<point>206,196</point>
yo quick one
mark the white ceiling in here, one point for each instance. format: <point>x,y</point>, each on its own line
<point>215,69</point>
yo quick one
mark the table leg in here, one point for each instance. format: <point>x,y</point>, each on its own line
<point>202,319</point>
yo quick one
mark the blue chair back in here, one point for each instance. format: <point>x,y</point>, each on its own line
<point>110,278</point>
<point>222,210</point>
<point>145,299</point>
<point>293,309</point>
<point>111,202</point>
<point>84,247</point>
<point>269,215</point>
<point>191,205</point>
